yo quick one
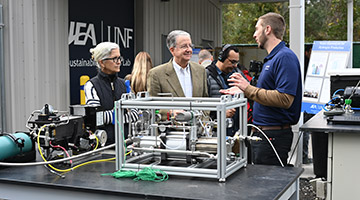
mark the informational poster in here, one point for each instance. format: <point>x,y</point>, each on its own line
<point>195,55</point>
<point>90,23</point>
<point>337,62</point>
<point>317,63</point>
<point>326,57</point>
<point>312,89</point>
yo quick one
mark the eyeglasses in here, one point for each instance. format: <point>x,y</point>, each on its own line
<point>115,59</point>
<point>234,62</point>
<point>186,46</point>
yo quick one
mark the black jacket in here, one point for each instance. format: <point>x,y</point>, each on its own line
<point>109,88</point>
<point>213,80</point>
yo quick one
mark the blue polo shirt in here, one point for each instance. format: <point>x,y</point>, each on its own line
<point>281,72</point>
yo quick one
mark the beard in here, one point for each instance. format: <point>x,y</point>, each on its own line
<point>262,40</point>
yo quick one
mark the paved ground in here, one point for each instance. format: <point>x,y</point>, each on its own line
<point>307,190</point>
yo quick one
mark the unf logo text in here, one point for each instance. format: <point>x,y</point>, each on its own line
<point>80,33</point>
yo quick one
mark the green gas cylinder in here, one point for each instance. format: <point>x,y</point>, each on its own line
<point>9,148</point>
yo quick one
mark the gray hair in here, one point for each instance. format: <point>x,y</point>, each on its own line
<point>171,38</point>
<point>102,51</point>
<point>204,54</point>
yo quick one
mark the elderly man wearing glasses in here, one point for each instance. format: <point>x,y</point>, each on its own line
<point>218,73</point>
<point>106,87</point>
<point>180,76</point>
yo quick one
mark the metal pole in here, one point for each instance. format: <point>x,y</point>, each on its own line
<point>2,74</point>
<point>297,38</point>
<point>350,29</point>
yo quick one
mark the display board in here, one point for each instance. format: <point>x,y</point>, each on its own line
<point>90,23</point>
<point>326,57</point>
<point>195,55</point>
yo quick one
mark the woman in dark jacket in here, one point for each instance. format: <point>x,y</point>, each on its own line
<point>105,88</point>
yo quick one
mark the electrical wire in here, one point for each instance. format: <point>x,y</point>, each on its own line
<point>97,142</point>
<point>72,168</point>
<point>339,90</point>
<point>56,161</point>
<point>31,115</point>
<point>62,148</point>
<point>69,169</point>
<point>41,153</point>
<point>354,89</point>
<point>324,107</point>
<point>328,103</point>
<point>296,145</point>
<point>65,159</point>
<point>95,161</point>
<point>272,146</point>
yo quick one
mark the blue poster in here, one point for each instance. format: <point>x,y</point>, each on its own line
<point>326,56</point>
<point>311,108</point>
<point>90,23</point>
<point>331,46</point>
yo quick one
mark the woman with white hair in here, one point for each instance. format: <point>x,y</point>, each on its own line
<point>106,87</point>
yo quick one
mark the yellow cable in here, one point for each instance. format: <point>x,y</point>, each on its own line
<point>93,161</point>
<point>41,154</point>
<point>96,161</point>
<point>97,142</point>
<point>77,166</point>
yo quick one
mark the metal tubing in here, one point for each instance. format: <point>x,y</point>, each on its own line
<point>222,152</point>
<point>243,121</point>
<point>169,169</point>
<point>144,156</point>
<point>193,153</point>
<point>2,75</point>
<point>233,167</point>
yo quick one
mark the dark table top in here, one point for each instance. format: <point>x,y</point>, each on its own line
<point>253,182</point>
<point>319,123</point>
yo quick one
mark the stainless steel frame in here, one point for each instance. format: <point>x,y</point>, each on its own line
<point>224,165</point>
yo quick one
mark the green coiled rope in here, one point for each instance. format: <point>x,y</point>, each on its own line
<point>146,174</point>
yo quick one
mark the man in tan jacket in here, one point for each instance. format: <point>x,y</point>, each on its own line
<point>180,76</point>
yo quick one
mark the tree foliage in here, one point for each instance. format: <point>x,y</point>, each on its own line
<point>239,20</point>
<point>324,20</point>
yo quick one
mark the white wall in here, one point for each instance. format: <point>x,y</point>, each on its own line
<point>36,58</point>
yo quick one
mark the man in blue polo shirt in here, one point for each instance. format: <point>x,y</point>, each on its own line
<point>277,94</point>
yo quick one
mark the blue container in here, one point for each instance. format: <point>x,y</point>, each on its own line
<point>8,148</point>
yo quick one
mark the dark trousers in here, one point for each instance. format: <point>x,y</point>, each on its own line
<point>262,153</point>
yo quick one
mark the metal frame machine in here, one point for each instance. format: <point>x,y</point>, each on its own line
<point>189,143</point>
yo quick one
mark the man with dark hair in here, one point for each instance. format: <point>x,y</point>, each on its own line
<point>277,95</point>
<point>217,75</point>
